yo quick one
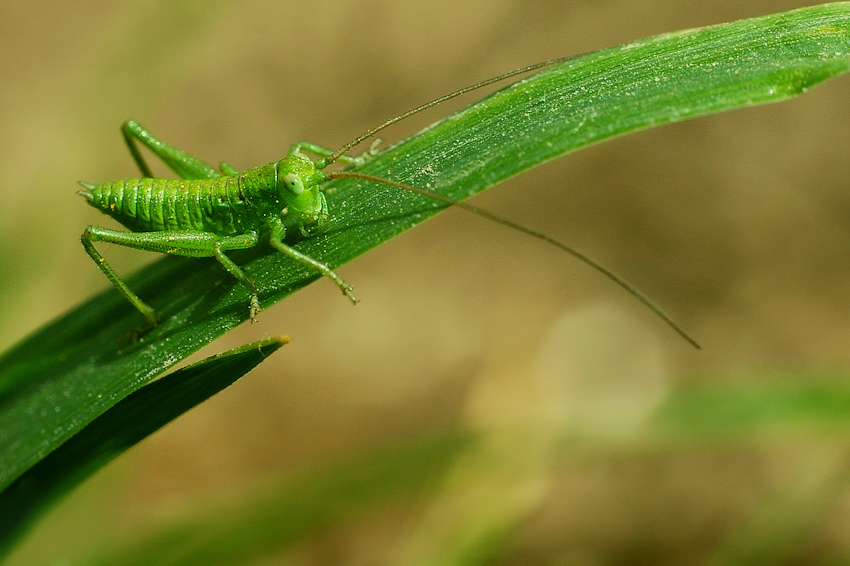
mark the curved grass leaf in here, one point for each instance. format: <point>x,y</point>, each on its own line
<point>127,423</point>
<point>63,377</point>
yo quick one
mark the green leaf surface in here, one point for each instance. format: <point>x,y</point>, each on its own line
<point>64,376</point>
<point>127,423</point>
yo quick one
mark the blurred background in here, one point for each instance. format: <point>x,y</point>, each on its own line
<point>489,401</point>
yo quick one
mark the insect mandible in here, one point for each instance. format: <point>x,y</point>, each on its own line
<point>208,212</point>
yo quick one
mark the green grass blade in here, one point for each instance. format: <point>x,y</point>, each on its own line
<point>128,422</point>
<point>76,368</point>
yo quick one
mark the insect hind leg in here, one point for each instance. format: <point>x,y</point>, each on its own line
<point>184,165</point>
<point>92,234</point>
<point>184,243</point>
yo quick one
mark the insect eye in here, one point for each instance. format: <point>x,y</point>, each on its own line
<point>294,183</point>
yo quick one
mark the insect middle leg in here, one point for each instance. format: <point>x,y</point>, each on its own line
<point>191,244</point>
<point>186,166</point>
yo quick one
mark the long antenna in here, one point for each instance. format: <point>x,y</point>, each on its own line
<point>324,162</point>
<point>631,289</point>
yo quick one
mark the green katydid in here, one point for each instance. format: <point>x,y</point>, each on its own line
<point>208,212</point>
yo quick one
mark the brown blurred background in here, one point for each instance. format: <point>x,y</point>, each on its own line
<point>736,224</point>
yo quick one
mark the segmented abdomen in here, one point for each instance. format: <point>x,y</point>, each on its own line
<point>153,205</point>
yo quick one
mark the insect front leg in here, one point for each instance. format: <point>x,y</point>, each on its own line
<point>320,151</point>
<point>186,166</point>
<point>276,240</point>
<point>190,244</point>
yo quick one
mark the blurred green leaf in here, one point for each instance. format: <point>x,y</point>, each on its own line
<point>73,370</point>
<point>267,521</point>
<point>807,414</point>
<point>127,423</point>
<point>777,406</point>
